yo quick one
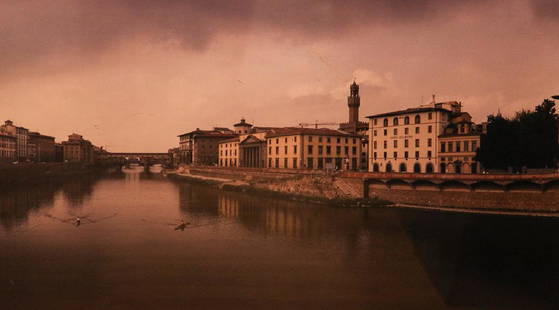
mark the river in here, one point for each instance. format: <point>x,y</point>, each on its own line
<point>241,251</point>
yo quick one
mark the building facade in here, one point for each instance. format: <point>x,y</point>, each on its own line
<point>8,149</point>
<point>292,148</point>
<point>40,147</point>
<point>22,137</point>
<point>77,149</point>
<point>200,147</point>
<point>411,140</point>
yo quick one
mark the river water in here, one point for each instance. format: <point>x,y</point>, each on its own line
<point>242,251</point>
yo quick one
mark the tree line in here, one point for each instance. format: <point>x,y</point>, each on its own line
<point>527,140</point>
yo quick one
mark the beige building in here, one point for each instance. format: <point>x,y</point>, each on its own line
<point>8,149</point>
<point>410,140</point>
<point>292,148</point>
<point>77,149</point>
<point>22,137</point>
<point>458,145</point>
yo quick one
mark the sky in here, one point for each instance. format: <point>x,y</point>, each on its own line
<point>131,75</point>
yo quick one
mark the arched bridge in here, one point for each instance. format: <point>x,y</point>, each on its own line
<point>145,159</point>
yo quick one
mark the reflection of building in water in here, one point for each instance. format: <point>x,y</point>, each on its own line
<point>17,203</point>
<point>80,190</point>
<point>197,200</point>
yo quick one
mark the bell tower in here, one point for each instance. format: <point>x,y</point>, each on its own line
<point>353,102</point>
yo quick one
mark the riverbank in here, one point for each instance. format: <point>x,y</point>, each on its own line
<point>319,187</point>
<point>33,173</point>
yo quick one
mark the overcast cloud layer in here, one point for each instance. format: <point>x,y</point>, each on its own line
<point>131,75</point>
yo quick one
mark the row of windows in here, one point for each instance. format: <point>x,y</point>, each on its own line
<point>320,163</point>
<point>406,131</point>
<point>310,150</point>
<point>406,143</point>
<point>459,146</point>
<point>311,139</point>
<point>7,154</point>
<point>228,152</point>
<point>395,121</point>
<point>458,168</point>
<point>406,155</point>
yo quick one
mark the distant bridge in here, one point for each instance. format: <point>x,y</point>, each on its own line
<point>146,159</point>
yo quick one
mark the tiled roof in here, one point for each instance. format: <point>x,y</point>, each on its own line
<point>291,131</point>
<point>208,134</point>
<point>235,139</point>
<point>410,111</point>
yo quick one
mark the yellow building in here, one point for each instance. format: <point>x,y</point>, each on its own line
<point>292,148</point>
<point>77,149</point>
<point>8,149</point>
<point>410,140</point>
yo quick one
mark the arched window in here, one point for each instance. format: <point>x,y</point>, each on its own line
<point>443,168</point>
<point>416,168</point>
<point>395,121</point>
<point>403,167</point>
<point>389,167</point>
<point>375,167</point>
<point>457,167</point>
<point>406,120</point>
<point>429,168</point>
<point>417,119</point>
<point>385,122</point>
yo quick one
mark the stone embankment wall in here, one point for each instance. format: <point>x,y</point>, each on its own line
<point>306,183</point>
<point>531,193</point>
<point>33,173</point>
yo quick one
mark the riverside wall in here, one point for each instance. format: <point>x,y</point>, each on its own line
<point>33,173</point>
<point>526,193</point>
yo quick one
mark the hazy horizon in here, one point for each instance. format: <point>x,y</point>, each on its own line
<point>132,75</point>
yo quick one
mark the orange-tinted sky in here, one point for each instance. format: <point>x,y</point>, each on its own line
<point>131,75</point>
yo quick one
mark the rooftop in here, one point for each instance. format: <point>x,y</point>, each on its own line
<point>410,111</point>
<point>291,131</point>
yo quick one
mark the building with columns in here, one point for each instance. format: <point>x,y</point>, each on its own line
<point>417,140</point>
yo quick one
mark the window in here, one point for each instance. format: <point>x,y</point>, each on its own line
<point>395,155</point>
<point>395,131</point>
<point>474,146</point>
<point>294,139</point>
<point>319,139</point>
<point>416,155</point>
<point>406,120</point>
<point>277,150</point>
<point>417,130</point>
<point>443,147</point>
<point>429,142</point>
<point>309,149</point>
<point>374,134</point>
<point>337,140</point>
<point>354,150</point>
<point>375,155</point>
<point>270,150</point>
<point>466,146</point>
<point>269,163</point>
<point>406,143</point>
<point>375,145</point>
<point>338,150</point>
<point>417,119</point>
<point>406,155</point>
<point>277,162</point>
<point>458,146</point>
<point>327,139</point>
<point>406,131</point>
<point>375,122</point>
<point>430,116</point>
<point>294,163</point>
<point>416,142</point>
<point>450,147</point>
<point>385,144</point>
<point>430,129</point>
<point>285,140</point>
<point>429,154</point>
<point>395,121</point>
<point>285,162</point>
<point>310,138</point>
<point>385,122</point>
<point>294,149</point>
<point>395,143</point>
<point>384,155</point>
<point>285,149</point>
<point>353,140</point>
<point>346,140</point>
<point>320,148</point>
<point>310,163</point>
<point>346,150</point>
<point>277,140</point>
<point>328,150</point>
<point>385,132</point>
